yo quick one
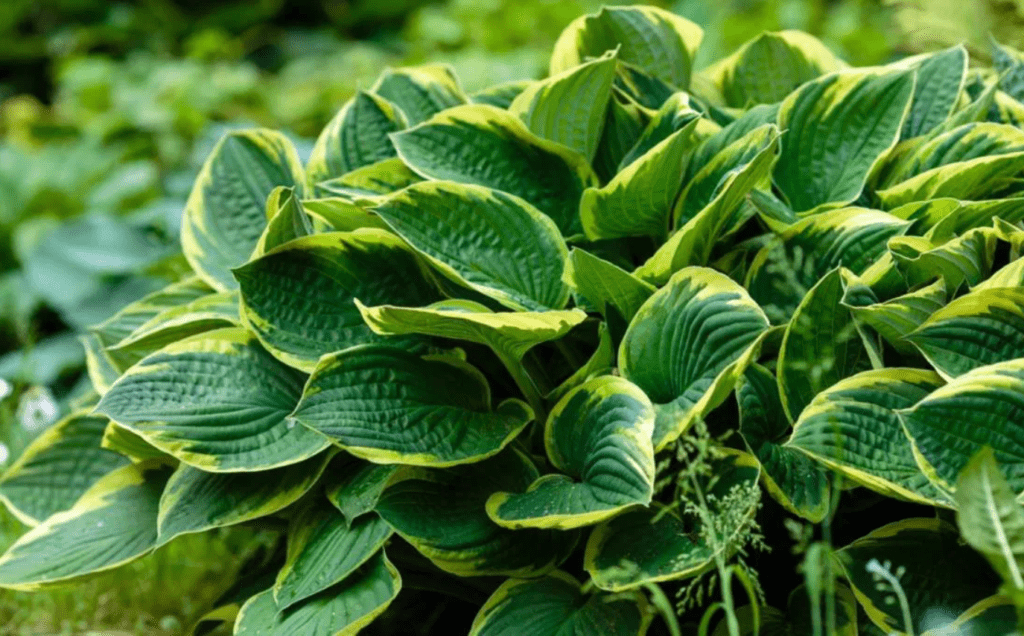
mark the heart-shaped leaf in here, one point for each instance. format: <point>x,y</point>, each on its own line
<point>356,137</point>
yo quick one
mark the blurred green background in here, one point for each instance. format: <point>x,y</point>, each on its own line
<point>107,110</point>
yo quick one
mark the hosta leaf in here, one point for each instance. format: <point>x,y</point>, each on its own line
<point>195,500</point>
<point>934,568</point>
<point>607,286</point>
<point>895,318</point>
<point>1009,63</point>
<point>641,87</point>
<point>792,478</point>
<point>957,146</point>
<point>599,437</point>
<point>420,91</point>
<point>1010,275</point>
<point>980,408</point>
<point>964,259</point>
<point>838,127</point>
<point>217,401</point>
<point>675,114</point>
<point>213,311</point>
<point>366,184</point>
<point>852,427</point>
<point>716,193</point>
<point>57,467</point>
<point>113,523</point>
<point>687,346</point>
<point>356,137</point>
<point>649,545</point>
<point>639,200</point>
<point>298,299</point>
<point>588,86</point>
<point>389,406</point>
<point>487,146</point>
<point>940,80</point>
<point>353,485</point>
<point>982,178</point>
<point>820,346</point>
<point>785,270</point>
<point>599,363</point>
<point>990,518</point>
<point>226,212</point>
<point>130,444</point>
<point>624,127</point>
<point>341,214</point>
<point>479,237</point>
<point>286,220</point>
<point>323,549</point>
<point>657,41</point>
<point>980,328</point>
<point>994,615</point>
<point>500,95</point>
<point>509,334</point>
<point>341,610</point>
<point>442,514</point>
<point>555,604</point>
<point>769,67</point>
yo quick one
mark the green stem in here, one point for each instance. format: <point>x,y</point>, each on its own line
<point>527,386</point>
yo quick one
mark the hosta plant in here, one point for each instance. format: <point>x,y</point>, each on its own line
<point>583,355</point>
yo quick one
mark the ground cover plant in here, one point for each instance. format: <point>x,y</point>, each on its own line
<point>631,349</point>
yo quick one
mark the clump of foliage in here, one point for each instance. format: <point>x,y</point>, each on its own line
<point>560,354</point>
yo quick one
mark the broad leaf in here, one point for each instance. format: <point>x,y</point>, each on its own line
<point>353,485</point>
<point>113,523</point>
<point>486,146</point>
<point>852,428</point>
<point>687,346</point>
<point>477,236</point>
<point>217,401</point>
<point>57,467</point>
<point>389,406</point>
<point>613,291</point>
<point>286,220</point>
<point>357,136</point>
<point>555,604</point>
<point>940,80</point>
<point>838,127</point>
<point>226,212</point>
<point>894,319</point>
<point>599,437</point>
<point>420,91</point>
<point>442,514</point>
<point>298,299</point>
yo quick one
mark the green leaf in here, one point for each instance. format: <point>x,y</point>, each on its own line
<point>587,87</point>
<point>624,127</point>
<point>606,286</point>
<point>226,212</point>
<point>769,67</point>
<point>687,346</point>
<point>895,318</point>
<point>298,299</point>
<point>356,137</point>
<point>367,184</point>
<point>993,615</point>
<point>341,214</point>
<point>792,479</point>
<point>940,81</point>
<point>983,178</point>
<point>1009,64</point>
<point>935,571</point>
<point>675,114</point>
<point>852,428</point>
<point>341,610</point>
<point>837,128</point>
<point>420,91</point>
<point>715,195</point>
<point>286,220</point>
<point>442,514</point>
<point>323,549</point>
<point>785,270</point>
<point>57,468</point>
<point>657,41</point>
<point>964,259</point>
<point>500,95</point>
<point>980,328</point>
<point>113,523</point>
<point>646,546</point>
<point>217,401</point>
<point>1010,275</point>
<point>555,604</point>
<point>195,501</point>
<point>388,405</point>
<point>125,442</point>
<point>979,408</point>
<point>206,313</point>
<point>486,146</point>
<point>599,437</point>
<point>353,486</point>
<point>477,236</point>
<point>638,200</point>
<point>820,346</point>
<point>990,518</point>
